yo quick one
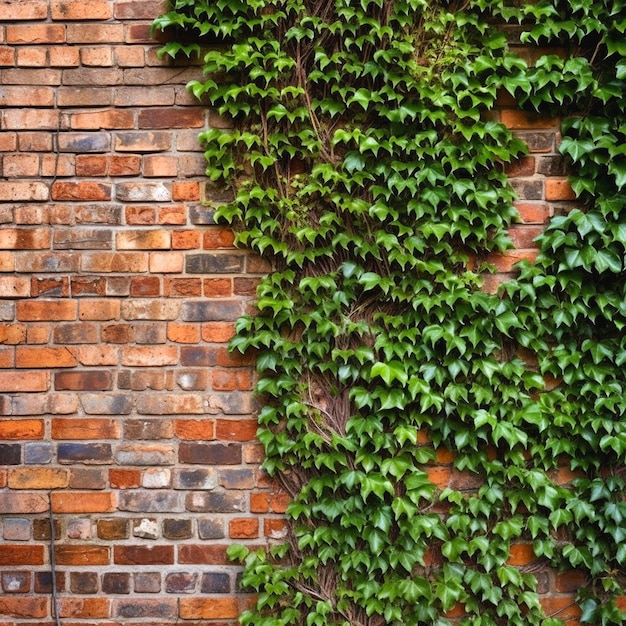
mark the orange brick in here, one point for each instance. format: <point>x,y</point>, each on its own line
<point>505,261</point>
<point>561,607</point>
<point>158,166</point>
<point>183,333</point>
<point>101,56</point>
<point>11,555</point>
<point>37,358</point>
<point>84,190</point>
<point>35,34</point>
<point>176,214</point>
<point>95,355</point>
<point>225,380</point>
<point>533,212</point>
<point>14,429</point>
<point>218,238</point>
<point>44,310</point>
<point>14,287</point>
<point>24,381</point>
<point>274,528</point>
<point>518,120</point>
<point>23,607</point>
<point>243,528</point>
<point>84,608</point>
<point>265,502</point>
<point>124,478</point>
<point>209,608</point>
<point>439,476</point>
<point>149,356</point>
<point>218,287</point>
<point>559,189</point>
<point>182,287</point>
<point>11,334</point>
<point>185,239</point>
<point>32,57</point>
<point>38,478</point>
<point>521,554</point>
<point>143,240</point>
<point>64,56</point>
<point>186,191</point>
<point>236,430</point>
<point>102,119</point>
<point>219,332</point>
<point>194,430</point>
<point>84,428</point>
<point>7,358</point>
<point>83,502</point>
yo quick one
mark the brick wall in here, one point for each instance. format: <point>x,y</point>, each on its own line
<point>120,405</point>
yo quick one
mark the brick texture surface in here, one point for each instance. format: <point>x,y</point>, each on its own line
<point>120,407</point>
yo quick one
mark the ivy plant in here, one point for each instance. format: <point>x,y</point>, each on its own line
<point>418,440</point>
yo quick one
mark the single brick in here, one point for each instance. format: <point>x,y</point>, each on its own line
<point>24,607</point>
<point>162,609</point>
<point>210,453</point>
<point>156,478</point>
<point>147,454</point>
<point>148,429</point>
<point>211,311</point>
<point>25,10</point>
<point>150,310</point>
<point>215,582</point>
<point>195,479</point>
<point>45,310</point>
<point>213,608</point>
<point>84,608</point>
<point>216,263</point>
<point>559,189</point>
<point>243,528</point>
<point>12,555</point>
<point>92,453</point>
<point>75,333</point>
<point>38,478</point>
<point>116,583</point>
<point>172,117</point>
<point>82,239</point>
<point>143,555</point>
<point>36,453</point>
<point>43,582</point>
<point>82,143</point>
<point>149,356</point>
<point>81,191</point>
<point>16,191</point>
<point>83,502</point>
<point>237,478</point>
<point>177,529</point>
<point>216,502</point>
<point>14,429</point>
<point>145,141</point>
<point>83,582</point>
<point>150,502</point>
<point>15,581</point>
<point>16,529</point>
<point>192,380</point>
<point>181,582</point>
<point>88,478</point>
<point>194,430</point>
<point>166,262</point>
<point>113,529</point>
<point>143,240</point>
<point>142,192</point>
<point>84,428</point>
<point>211,528</point>
<point>18,503</point>
<point>44,357</point>
<point>133,262</point>
<point>208,554</point>
<point>170,404</point>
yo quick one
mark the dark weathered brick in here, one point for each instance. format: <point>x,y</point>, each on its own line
<point>10,453</point>
<point>15,581</point>
<point>216,502</point>
<point>210,453</point>
<point>201,215</point>
<point>211,311</point>
<point>116,582</point>
<point>43,582</point>
<point>84,453</point>
<point>237,478</point>
<point>197,356</point>
<point>150,502</point>
<point>148,429</point>
<point>147,582</point>
<point>226,263</point>
<point>177,529</point>
<point>195,479</point>
<point>143,555</point>
<point>115,528</point>
<point>83,582</point>
<point>181,582</point>
<point>211,528</point>
<point>142,608</point>
<point>91,380</point>
<point>215,582</point>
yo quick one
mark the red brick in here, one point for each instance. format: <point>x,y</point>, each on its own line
<point>225,380</point>
<point>145,286</point>
<point>243,528</point>
<point>202,555</point>
<point>85,428</point>
<point>265,502</point>
<point>12,555</point>
<point>24,381</point>
<point>524,236</point>
<point>35,33</point>
<point>124,478</point>
<point>38,478</point>
<point>505,261</point>
<point>38,358</point>
<point>144,555</point>
<point>570,581</point>
<point>182,287</point>
<point>133,10</point>
<point>209,608</point>
<point>534,212</point>
<point>15,429</point>
<point>172,117</point>
<point>561,607</point>
<point>84,608</point>
<point>274,528</point>
<point>85,502</point>
<point>81,191</point>
<point>23,607</point>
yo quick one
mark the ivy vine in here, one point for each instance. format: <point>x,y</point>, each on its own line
<point>421,451</point>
